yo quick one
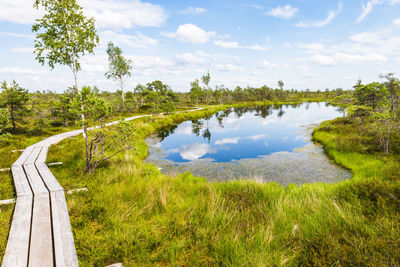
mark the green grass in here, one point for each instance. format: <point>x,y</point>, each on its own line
<point>135,215</point>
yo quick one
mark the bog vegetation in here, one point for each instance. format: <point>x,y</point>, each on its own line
<point>135,215</point>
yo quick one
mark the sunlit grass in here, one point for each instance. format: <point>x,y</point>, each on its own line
<point>135,215</point>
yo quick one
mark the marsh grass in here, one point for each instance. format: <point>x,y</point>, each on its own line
<point>135,215</point>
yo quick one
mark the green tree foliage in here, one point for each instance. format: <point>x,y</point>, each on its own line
<point>41,106</point>
<point>393,86</point>
<point>384,123</point>
<point>94,110</point>
<point>281,84</point>
<point>107,142</point>
<point>196,92</point>
<point>14,98</point>
<point>5,120</point>
<point>63,34</point>
<point>119,67</point>
<point>377,104</point>
<point>157,96</point>
<point>62,109</point>
<point>371,95</point>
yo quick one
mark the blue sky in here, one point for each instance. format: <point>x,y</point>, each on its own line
<point>306,43</point>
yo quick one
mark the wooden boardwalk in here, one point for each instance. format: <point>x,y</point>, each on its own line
<point>40,233</point>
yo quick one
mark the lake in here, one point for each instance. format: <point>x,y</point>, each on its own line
<point>262,143</point>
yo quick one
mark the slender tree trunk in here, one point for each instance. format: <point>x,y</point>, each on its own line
<point>88,160</point>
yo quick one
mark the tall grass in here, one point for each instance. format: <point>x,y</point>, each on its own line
<point>135,215</point>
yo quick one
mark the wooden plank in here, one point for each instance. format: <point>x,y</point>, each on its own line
<point>41,242</point>
<point>21,184</point>
<point>36,182</point>
<point>48,178</point>
<point>33,155</point>
<point>16,254</point>
<point>23,156</point>
<point>64,247</point>
<point>50,181</point>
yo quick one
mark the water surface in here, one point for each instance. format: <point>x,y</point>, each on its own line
<point>266,143</point>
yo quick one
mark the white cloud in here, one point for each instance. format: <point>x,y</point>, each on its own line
<point>233,44</point>
<point>323,60</point>
<point>195,151</point>
<point>189,33</point>
<point>189,58</point>
<point>331,15</point>
<point>257,137</point>
<point>267,64</point>
<point>397,21</point>
<point>20,11</point>
<point>368,37</point>
<point>227,67</point>
<point>168,34</point>
<point>355,58</point>
<point>19,71</point>
<point>14,34</point>
<point>253,6</point>
<point>347,58</point>
<point>194,10</point>
<point>139,40</point>
<point>25,50</point>
<point>285,12</point>
<point>257,47</point>
<point>184,128</point>
<point>311,46</point>
<point>117,14</point>
<point>367,9</point>
<point>227,44</point>
<point>113,14</point>
<point>224,141</point>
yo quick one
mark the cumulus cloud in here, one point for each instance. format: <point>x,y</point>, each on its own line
<point>266,64</point>
<point>323,60</point>
<point>355,58</point>
<point>368,37</point>
<point>346,58</point>
<point>227,44</point>
<point>226,67</point>
<point>189,33</point>
<point>233,44</point>
<point>24,50</point>
<point>331,15</point>
<point>20,11</point>
<point>124,15</point>
<point>194,10</point>
<point>224,141</point>
<point>195,151</point>
<point>397,21</point>
<point>311,46</point>
<point>19,71</point>
<point>189,58</point>
<point>113,14</point>
<point>139,40</point>
<point>284,12</point>
<point>13,34</point>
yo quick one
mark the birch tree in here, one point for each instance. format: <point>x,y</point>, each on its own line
<point>119,67</point>
<point>63,35</point>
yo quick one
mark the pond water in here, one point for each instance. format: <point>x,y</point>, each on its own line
<point>265,143</point>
